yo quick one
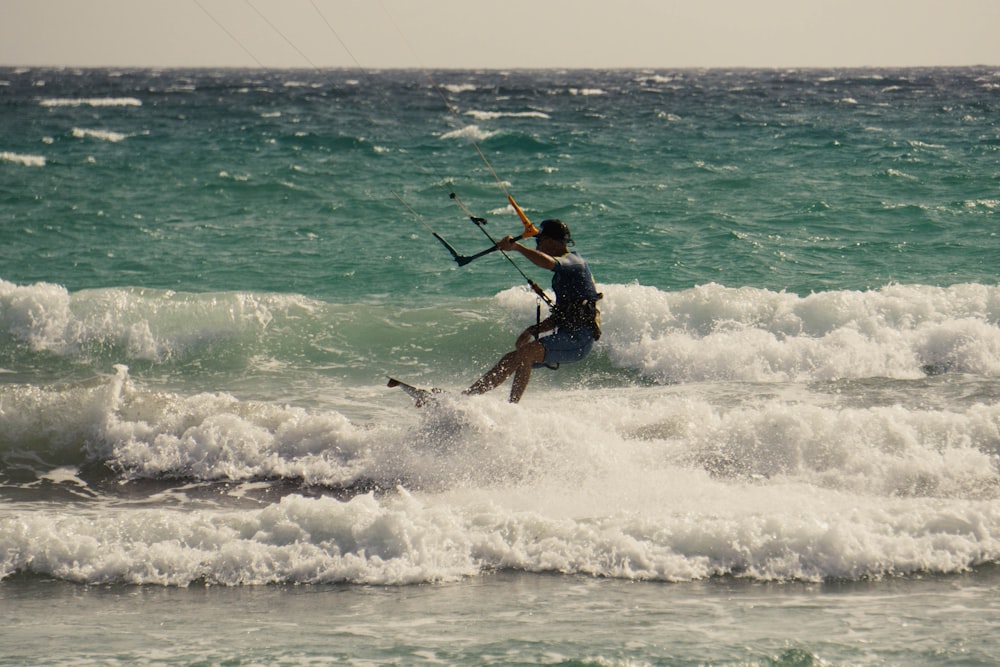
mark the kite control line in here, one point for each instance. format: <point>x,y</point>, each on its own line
<point>460,259</point>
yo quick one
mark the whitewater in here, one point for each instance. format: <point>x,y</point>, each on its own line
<point>873,416</point>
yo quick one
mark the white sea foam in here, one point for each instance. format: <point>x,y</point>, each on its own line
<point>764,534</point>
<point>144,324</point>
<point>25,160</point>
<point>912,450</point>
<point>36,314</point>
<point>761,448</point>
<point>713,332</point>
<point>656,78</point>
<point>102,135</point>
<point>492,115</point>
<point>92,102</point>
<point>707,333</point>
<point>459,87</point>
<point>471,132</point>
<point>668,484</point>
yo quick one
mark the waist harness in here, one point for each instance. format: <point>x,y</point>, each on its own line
<point>581,315</point>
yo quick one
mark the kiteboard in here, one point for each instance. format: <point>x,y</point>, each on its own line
<point>421,397</point>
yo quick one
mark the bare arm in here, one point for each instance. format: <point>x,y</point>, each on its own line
<point>539,259</point>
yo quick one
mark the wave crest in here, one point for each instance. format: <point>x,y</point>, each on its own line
<point>712,332</point>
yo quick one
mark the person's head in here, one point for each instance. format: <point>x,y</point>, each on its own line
<point>555,230</point>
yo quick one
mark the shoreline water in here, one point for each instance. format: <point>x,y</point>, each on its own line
<point>511,618</point>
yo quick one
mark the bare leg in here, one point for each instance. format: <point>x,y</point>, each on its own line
<point>495,376</point>
<point>517,363</point>
<point>521,377</point>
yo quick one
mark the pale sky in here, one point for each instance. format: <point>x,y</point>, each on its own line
<point>499,33</point>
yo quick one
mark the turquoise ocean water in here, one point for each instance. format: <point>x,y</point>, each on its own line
<point>783,450</point>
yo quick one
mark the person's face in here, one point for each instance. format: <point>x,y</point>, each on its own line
<point>545,243</point>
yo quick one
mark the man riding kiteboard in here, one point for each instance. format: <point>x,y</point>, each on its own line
<point>575,318</point>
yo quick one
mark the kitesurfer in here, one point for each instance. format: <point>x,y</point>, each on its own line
<point>575,317</point>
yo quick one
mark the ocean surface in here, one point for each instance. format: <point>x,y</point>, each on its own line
<point>783,450</point>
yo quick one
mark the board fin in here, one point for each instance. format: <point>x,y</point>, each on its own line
<point>421,397</point>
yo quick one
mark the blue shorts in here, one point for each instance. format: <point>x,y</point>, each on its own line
<point>565,347</point>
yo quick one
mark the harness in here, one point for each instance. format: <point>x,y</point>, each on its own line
<point>580,315</point>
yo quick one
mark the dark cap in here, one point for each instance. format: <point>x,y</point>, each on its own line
<point>555,229</point>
